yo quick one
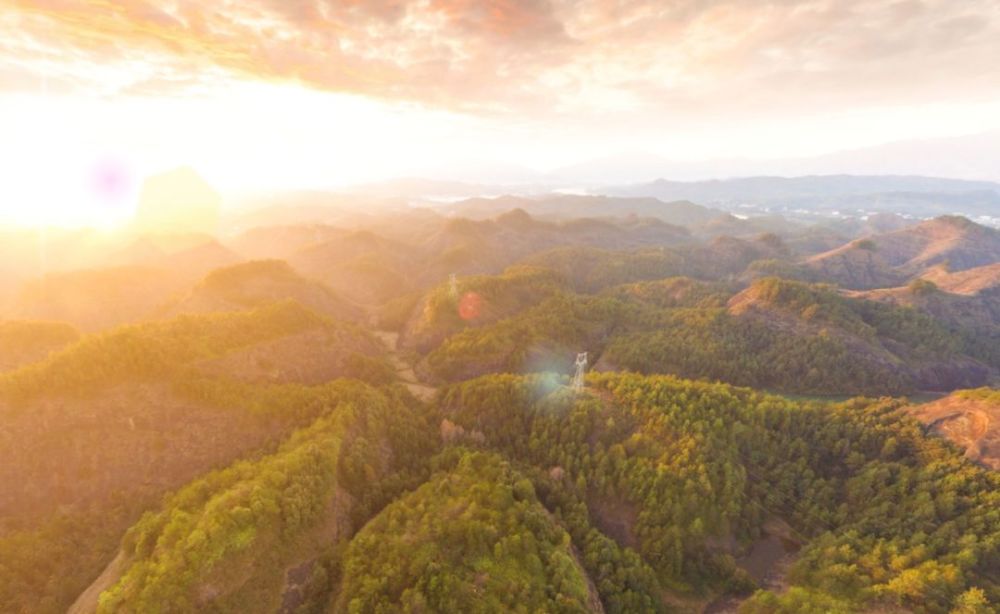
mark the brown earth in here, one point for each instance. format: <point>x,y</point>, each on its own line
<point>615,518</point>
<point>86,603</point>
<point>853,266</point>
<point>767,560</point>
<point>889,259</point>
<point>972,424</point>
<point>404,370</point>
<point>136,440</point>
<point>968,282</point>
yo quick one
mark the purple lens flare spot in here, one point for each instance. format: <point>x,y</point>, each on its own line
<point>111,180</point>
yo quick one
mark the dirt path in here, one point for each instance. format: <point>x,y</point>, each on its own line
<point>87,601</point>
<point>768,561</point>
<point>403,369</point>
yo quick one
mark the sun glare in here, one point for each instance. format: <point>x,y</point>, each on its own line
<point>82,160</point>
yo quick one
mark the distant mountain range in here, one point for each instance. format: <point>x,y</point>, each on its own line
<point>826,195</point>
<point>804,198</point>
<point>922,179</point>
<point>972,157</point>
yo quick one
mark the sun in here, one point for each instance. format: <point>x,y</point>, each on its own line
<point>96,192</point>
<point>56,169</point>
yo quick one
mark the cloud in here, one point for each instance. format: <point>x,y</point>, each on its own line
<point>586,57</point>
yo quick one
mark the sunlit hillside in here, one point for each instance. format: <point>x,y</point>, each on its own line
<point>513,306</point>
<point>239,433</point>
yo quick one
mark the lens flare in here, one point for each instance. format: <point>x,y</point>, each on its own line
<point>110,181</point>
<point>470,306</point>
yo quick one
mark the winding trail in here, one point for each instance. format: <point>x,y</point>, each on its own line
<point>87,602</point>
<point>403,369</point>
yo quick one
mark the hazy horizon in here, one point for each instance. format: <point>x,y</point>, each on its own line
<point>314,95</point>
<point>477,306</point>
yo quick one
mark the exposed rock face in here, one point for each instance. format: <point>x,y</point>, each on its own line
<point>968,300</point>
<point>968,282</point>
<point>970,419</point>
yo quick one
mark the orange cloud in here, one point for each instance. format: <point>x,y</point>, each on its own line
<point>523,55</point>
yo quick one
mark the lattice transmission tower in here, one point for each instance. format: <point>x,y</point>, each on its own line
<point>581,368</point>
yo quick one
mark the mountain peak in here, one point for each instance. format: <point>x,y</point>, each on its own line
<point>517,217</point>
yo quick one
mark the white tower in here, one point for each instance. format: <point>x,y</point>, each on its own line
<point>581,368</point>
<point>453,282</point>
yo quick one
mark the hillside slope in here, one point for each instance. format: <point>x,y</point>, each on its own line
<point>889,259</point>
<point>248,530</point>
<point>968,418</point>
<point>98,299</point>
<point>23,342</point>
<point>517,558</point>
<point>97,433</point>
<point>255,283</point>
<point>775,334</point>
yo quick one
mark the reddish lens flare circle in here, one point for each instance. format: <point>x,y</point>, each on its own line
<point>470,306</point>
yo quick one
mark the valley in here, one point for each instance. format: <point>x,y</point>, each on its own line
<point>499,307</point>
<point>326,420</point>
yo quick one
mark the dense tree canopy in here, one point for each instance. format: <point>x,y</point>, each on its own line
<point>473,538</point>
<point>777,334</point>
<point>301,474</point>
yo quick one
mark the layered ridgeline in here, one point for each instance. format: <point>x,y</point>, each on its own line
<point>923,336</point>
<point>207,343</point>
<point>245,446</point>
<point>388,256</point>
<point>97,432</point>
<point>26,341</point>
<point>63,415</point>
<point>966,300</point>
<point>890,259</point>
<point>126,286</point>
<point>415,251</point>
<point>425,321</point>
<point>775,334</point>
<point>256,283</point>
<point>644,493</point>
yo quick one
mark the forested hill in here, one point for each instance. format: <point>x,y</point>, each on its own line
<point>640,494</point>
<point>26,341</point>
<point>775,334</point>
<point>247,439</point>
<point>256,283</point>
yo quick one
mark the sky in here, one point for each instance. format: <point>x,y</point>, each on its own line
<point>95,95</point>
